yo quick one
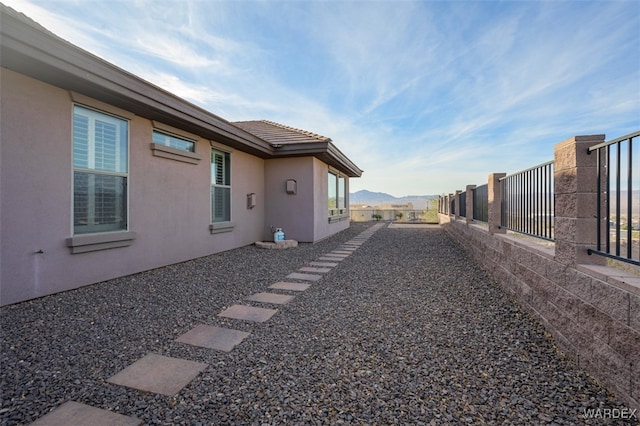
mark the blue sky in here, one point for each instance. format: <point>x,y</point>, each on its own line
<point>426,97</point>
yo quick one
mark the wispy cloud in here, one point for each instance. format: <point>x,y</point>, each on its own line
<point>425,96</point>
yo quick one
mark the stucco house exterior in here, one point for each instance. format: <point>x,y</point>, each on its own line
<point>103,174</point>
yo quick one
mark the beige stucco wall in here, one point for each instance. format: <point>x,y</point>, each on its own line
<point>169,201</point>
<point>294,213</point>
<point>303,216</point>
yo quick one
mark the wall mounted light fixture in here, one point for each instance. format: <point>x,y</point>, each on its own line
<point>251,200</point>
<point>292,186</point>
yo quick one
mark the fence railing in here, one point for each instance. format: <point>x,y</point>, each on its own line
<point>462,209</point>
<point>618,228</point>
<point>528,202</point>
<point>481,203</point>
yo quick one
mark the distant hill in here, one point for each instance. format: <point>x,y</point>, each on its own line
<point>364,197</point>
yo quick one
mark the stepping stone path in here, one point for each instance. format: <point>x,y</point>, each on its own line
<point>206,336</point>
<point>168,376</point>
<point>158,374</point>
<point>248,313</point>
<point>74,413</point>
<point>277,299</point>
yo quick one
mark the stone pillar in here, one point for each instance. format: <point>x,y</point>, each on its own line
<point>575,187</point>
<point>495,203</point>
<point>457,204</point>
<point>469,201</point>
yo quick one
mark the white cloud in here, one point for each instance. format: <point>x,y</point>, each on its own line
<point>424,96</point>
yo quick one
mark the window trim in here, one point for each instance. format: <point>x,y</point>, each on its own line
<point>84,243</point>
<point>171,136</point>
<point>338,213</point>
<point>219,226</point>
<point>164,151</point>
<point>92,241</point>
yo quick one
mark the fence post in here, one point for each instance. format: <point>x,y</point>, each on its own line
<point>494,196</point>
<point>457,203</point>
<point>469,202</point>
<point>575,187</point>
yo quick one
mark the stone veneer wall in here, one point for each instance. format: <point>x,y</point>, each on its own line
<point>593,311</point>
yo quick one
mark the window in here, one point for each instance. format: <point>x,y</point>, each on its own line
<point>173,141</point>
<point>220,186</point>
<point>337,194</point>
<point>100,166</point>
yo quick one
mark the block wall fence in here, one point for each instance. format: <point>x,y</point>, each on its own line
<point>591,309</point>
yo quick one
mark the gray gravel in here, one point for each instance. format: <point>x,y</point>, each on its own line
<point>407,330</point>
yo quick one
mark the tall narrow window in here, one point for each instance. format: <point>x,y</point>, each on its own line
<point>342,199</point>
<point>100,170</point>
<point>220,186</point>
<point>337,194</point>
<point>333,194</point>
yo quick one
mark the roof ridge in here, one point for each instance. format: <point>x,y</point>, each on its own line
<point>304,132</point>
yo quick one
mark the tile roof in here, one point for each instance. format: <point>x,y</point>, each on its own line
<point>29,49</point>
<point>279,134</point>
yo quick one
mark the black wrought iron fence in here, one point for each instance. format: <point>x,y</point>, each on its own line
<point>462,212</point>
<point>481,203</point>
<point>528,201</point>
<point>618,195</point>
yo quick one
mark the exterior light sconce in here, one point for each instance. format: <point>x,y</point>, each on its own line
<point>292,187</point>
<point>251,200</point>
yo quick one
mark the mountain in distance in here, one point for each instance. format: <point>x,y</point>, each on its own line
<point>369,198</point>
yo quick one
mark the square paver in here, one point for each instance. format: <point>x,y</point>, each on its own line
<point>283,285</point>
<point>313,269</point>
<point>278,299</point>
<point>305,277</point>
<point>248,313</point>
<point>207,336</point>
<point>158,374</point>
<point>74,413</point>
<point>332,258</point>
<point>324,264</point>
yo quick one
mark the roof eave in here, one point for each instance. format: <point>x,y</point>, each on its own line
<point>31,50</point>
<point>325,151</point>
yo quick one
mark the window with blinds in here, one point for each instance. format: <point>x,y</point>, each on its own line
<point>100,171</point>
<point>220,186</point>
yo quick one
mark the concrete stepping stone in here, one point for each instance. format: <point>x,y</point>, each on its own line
<point>332,258</point>
<point>341,252</point>
<point>278,299</point>
<point>248,313</point>
<point>312,269</point>
<point>158,374</point>
<point>324,264</point>
<point>207,336</point>
<point>75,413</point>
<point>283,285</point>
<point>304,277</point>
<point>337,255</point>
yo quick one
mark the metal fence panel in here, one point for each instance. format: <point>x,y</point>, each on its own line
<point>528,201</point>
<point>618,198</point>
<point>481,203</point>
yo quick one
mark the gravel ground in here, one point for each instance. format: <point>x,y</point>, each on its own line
<point>407,330</point>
